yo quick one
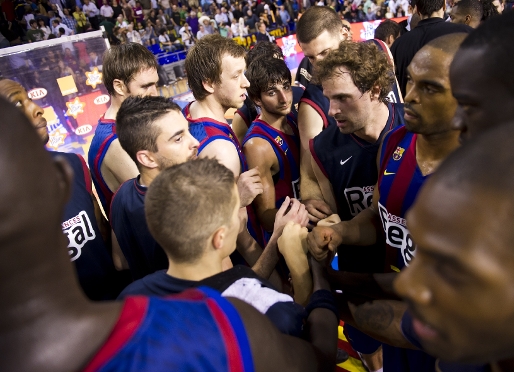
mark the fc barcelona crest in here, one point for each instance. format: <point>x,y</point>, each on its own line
<point>398,153</point>
<point>279,140</point>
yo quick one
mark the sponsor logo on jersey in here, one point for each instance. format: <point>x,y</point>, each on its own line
<point>398,153</point>
<point>37,93</point>
<point>279,140</point>
<point>359,198</point>
<point>79,231</point>
<point>397,234</point>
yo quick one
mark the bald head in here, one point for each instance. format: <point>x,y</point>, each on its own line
<point>448,44</point>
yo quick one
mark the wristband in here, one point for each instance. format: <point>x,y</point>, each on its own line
<point>322,298</point>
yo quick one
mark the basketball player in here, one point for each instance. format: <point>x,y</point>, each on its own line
<point>246,114</point>
<point>86,241</point>
<point>407,156</point>
<point>195,255</point>
<point>318,32</point>
<point>459,287</point>
<point>40,295</point>
<point>272,144</point>
<point>128,70</point>
<point>154,133</point>
<point>356,79</point>
<point>483,90</point>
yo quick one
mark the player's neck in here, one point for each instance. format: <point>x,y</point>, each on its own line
<point>49,303</point>
<point>208,108</point>
<point>199,270</point>
<point>147,176</point>
<point>431,150</point>
<point>376,123</point>
<point>113,109</point>
<point>276,121</point>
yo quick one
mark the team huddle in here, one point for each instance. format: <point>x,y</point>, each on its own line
<point>240,247</point>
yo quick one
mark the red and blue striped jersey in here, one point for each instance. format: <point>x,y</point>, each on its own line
<point>206,130</point>
<point>104,135</point>
<point>287,150</point>
<point>197,330</point>
<point>399,182</point>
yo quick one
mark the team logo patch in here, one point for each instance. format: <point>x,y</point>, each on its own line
<point>279,140</point>
<point>398,153</point>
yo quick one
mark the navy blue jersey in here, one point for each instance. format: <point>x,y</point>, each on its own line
<point>104,135</point>
<point>313,96</point>
<point>304,73</point>
<point>144,255</point>
<point>249,111</point>
<point>197,330</point>
<point>349,163</point>
<point>240,282</point>
<point>93,262</point>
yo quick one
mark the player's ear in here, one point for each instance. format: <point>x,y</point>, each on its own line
<point>119,87</point>
<point>218,237</point>
<point>65,174</point>
<point>208,86</point>
<point>375,92</point>
<point>147,159</point>
<point>468,20</point>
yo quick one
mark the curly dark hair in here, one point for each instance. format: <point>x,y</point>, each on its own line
<point>368,66</point>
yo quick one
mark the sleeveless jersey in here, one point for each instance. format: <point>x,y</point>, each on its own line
<point>93,262</point>
<point>127,215</point>
<point>249,111</point>
<point>104,135</point>
<point>399,182</point>
<point>349,163</point>
<point>287,151</point>
<point>304,73</point>
<point>313,96</point>
<point>197,330</point>
<point>206,130</point>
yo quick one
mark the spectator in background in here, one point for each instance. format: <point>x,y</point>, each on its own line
<point>138,12</point>
<point>225,30</point>
<point>206,22</point>
<point>133,36</point>
<point>43,27</point>
<point>175,16</point>
<point>388,31</point>
<point>251,20</point>
<point>192,21</point>
<point>165,4</point>
<point>468,12</point>
<point>34,34</point>
<point>201,32</point>
<point>57,25</point>
<point>187,36</point>
<point>263,35</point>
<point>107,11</point>
<point>69,21</point>
<point>109,26</point>
<point>165,41</point>
<point>370,14</point>
<point>81,19</point>
<point>284,15</point>
<point>148,35</point>
<point>117,10</point>
<point>120,22</point>
<point>91,11</point>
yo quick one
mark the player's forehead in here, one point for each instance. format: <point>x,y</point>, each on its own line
<point>145,76</point>
<point>9,88</point>
<point>340,82</point>
<point>430,64</point>
<point>325,40</point>
<point>171,122</point>
<point>231,64</point>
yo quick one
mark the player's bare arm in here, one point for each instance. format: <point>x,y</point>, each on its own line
<point>117,166</point>
<point>248,183</point>
<point>380,319</point>
<point>260,154</point>
<point>291,247</point>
